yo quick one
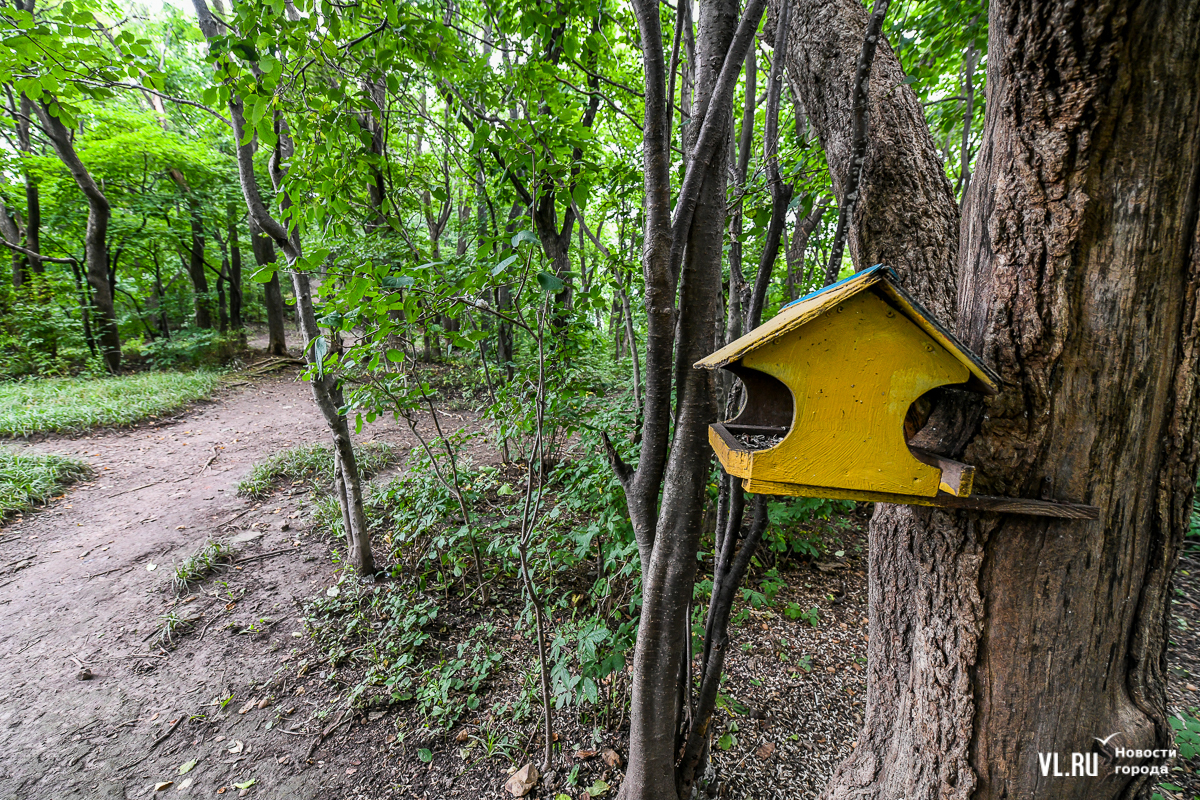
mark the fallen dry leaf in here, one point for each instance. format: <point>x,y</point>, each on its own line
<point>523,781</point>
<point>765,750</point>
<point>462,736</point>
<point>158,787</point>
<point>266,701</point>
<point>237,746</point>
<point>582,755</point>
<point>251,704</point>
<point>611,757</point>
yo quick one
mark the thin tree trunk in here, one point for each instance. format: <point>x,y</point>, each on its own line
<point>326,392</point>
<point>33,202</point>
<point>264,254</point>
<point>799,244</point>
<point>12,233</point>
<point>235,273</point>
<point>968,91</point>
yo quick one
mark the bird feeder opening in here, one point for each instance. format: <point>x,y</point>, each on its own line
<point>767,410</point>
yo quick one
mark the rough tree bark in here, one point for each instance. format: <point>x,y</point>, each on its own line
<point>996,637</point>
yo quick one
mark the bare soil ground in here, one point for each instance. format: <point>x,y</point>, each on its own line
<point>84,585</point>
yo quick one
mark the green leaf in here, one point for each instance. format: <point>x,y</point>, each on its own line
<point>550,283</point>
<point>503,265</point>
<point>320,348</point>
<point>394,355</point>
<point>598,788</point>
<point>186,767</point>
<point>245,785</point>
<point>524,236</point>
<point>726,741</point>
<point>263,274</point>
<point>425,755</point>
<point>398,282</point>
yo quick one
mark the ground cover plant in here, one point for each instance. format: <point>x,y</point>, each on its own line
<point>73,405</point>
<point>29,479</point>
<point>311,465</point>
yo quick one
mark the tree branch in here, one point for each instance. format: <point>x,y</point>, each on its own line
<point>858,152</point>
<point>712,133</point>
<point>38,256</point>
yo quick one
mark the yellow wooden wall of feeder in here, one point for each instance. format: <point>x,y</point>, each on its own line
<point>829,382</point>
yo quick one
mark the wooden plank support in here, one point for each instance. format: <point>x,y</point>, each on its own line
<point>999,505</point>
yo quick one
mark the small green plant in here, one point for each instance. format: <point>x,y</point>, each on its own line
<point>29,479</point>
<point>311,464</point>
<point>795,612</point>
<point>172,626</point>
<point>1187,732</point>
<point>728,740</point>
<point>208,558</point>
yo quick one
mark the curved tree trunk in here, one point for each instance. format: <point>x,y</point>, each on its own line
<point>95,237</point>
<point>994,638</point>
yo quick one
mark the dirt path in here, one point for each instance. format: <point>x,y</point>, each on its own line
<point>85,584</point>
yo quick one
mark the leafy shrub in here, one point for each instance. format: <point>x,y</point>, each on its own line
<point>189,347</point>
<point>1187,732</point>
<point>39,338</point>
<point>788,532</point>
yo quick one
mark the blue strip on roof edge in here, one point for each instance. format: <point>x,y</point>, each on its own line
<point>847,279</point>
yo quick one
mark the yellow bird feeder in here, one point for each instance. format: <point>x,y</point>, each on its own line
<point>829,382</point>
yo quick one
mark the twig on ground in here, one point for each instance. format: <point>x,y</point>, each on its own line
<point>129,491</point>
<point>157,742</point>
<point>235,516</point>
<point>106,572</point>
<point>342,718</point>
<point>261,556</point>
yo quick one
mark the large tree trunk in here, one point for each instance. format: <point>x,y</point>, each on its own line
<point>994,638</point>
<point>95,246</point>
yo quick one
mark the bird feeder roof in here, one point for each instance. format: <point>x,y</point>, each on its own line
<point>879,279</point>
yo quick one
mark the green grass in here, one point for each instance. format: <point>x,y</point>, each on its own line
<point>208,558</point>
<point>70,405</point>
<point>311,464</point>
<point>31,479</point>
